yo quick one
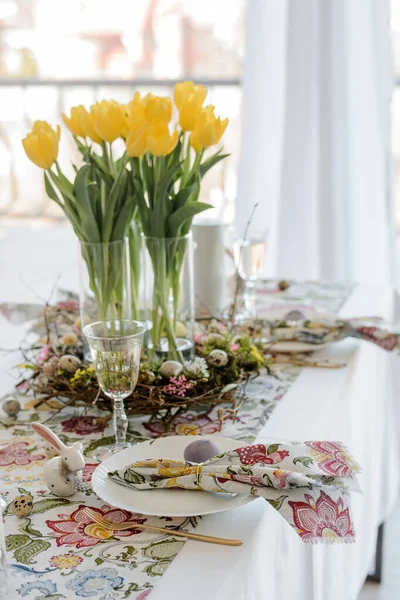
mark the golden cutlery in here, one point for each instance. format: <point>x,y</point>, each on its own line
<point>131,525</point>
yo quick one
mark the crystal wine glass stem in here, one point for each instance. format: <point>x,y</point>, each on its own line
<point>120,422</point>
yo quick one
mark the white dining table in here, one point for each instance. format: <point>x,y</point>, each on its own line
<point>357,404</point>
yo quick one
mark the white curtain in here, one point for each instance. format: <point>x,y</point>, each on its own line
<point>316,137</point>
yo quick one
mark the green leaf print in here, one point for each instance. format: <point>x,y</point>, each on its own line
<point>277,504</point>
<point>129,552</point>
<point>24,555</point>
<point>272,448</point>
<point>24,492</point>
<point>15,541</point>
<point>307,461</point>
<point>49,503</point>
<point>131,476</point>
<point>157,569</point>
<point>27,528</point>
<point>163,550</point>
<point>17,431</point>
<point>99,561</point>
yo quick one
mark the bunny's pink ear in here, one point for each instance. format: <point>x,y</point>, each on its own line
<point>47,435</point>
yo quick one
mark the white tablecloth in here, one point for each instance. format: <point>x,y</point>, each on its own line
<point>356,405</point>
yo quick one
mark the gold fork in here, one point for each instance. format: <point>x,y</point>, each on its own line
<point>131,525</point>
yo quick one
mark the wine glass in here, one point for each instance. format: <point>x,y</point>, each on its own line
<point>116,348</point>
<point>249,257</point>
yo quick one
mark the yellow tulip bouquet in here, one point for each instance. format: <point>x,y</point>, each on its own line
<point>156,181</point>
<point>99,203</point>
<point>167,169</point>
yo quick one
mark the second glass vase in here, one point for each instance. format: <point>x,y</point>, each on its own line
<point>169,290</point>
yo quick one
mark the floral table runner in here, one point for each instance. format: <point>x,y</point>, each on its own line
<point>58,552</point>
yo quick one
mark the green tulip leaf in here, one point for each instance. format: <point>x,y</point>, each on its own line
<point>84,206</point>
<point>178,218</point>
<point>210,162</point>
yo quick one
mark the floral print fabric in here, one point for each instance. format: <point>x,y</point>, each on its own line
<point>291,477</point>
<point>57,552</point>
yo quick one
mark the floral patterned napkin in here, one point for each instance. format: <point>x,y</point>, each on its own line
<point>326,330</point>
<point>308,483</point>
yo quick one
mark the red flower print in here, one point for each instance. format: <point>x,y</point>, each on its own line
<point>83,425</point>
<point>18,454</point>
<point>80,531</point>
<point>184,425</point>
<point>250,455</point>
<point>324,519</point>
<point>250,479</point>
<point>332,458</point>
<point>377,336</point>
<point>88,471</point>
<point>143,595</point>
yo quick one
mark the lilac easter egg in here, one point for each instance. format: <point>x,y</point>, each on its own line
<point>200,451</point>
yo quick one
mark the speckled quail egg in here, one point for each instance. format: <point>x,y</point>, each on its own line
<point>218,358</point>
<point>23,505</point>
<point>171,368</point>
<point>69,363</point>
<point>11,407</point>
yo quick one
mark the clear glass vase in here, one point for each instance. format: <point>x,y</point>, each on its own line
<point>169,292</point>
<point>105,281</point>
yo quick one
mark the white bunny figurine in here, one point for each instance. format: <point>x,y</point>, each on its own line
<point>62,473</point>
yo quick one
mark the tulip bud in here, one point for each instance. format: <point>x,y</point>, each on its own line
<point>109,120</point>
<point>88,125</point>
<point>75,121</point>
<point>136,140</point>
<point>159,140</point>
<point>41,144</point>
<point>208,129</point>
<point>184,89</point>
<point>159,109</point>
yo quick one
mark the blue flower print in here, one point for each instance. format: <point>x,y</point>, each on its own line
<point>47,588</point>
<point>92,583</point>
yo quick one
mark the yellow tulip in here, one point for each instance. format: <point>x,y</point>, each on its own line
<point>75,121</point>
<point>136,140</point>
<point>159,109</point>
<point>184,89</point>
<point>136,109</point>
<point>208,130</point>
<point>189,113</point>
<point>41,144</point>
<point>88,125</point>
<point>109,120</point>
<point>159,140</point>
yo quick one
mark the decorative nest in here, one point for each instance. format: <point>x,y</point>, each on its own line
<point>55,369</point>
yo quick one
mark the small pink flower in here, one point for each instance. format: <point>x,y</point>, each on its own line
<point>234,347</point>
<point>198,338</point>
<point>43,355</point>
<point>69,305</point>
<point>178,386</point>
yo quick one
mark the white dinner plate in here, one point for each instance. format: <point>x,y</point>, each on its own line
<point>282,311</point>
<point>163,503</point>
<point>292,347</point>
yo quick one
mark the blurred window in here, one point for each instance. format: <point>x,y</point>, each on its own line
<point>56,54</point>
